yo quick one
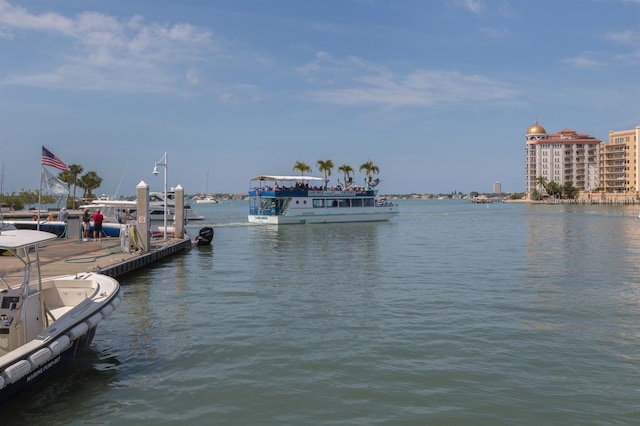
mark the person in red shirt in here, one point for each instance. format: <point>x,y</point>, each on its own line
<point>97,225</point>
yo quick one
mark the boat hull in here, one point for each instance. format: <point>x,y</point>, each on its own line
<point>55,227</point>
<point>206,201</point>
<point>309,219</point>
<point>74,350</point>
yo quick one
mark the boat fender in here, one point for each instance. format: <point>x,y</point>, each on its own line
<point>106,311</point>
<point>94,320</point>
<point>116,302</point>
<point>78,330</point>
<point>40,357</point>
<point>2,382</point>
<point>58,346</point>
<point>17,371</point>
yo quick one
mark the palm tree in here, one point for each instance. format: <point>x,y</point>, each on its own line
<point>369,169</point>
<point>71,178</point>
<point>346,170</point>
<point>325,167</point>
<point>301,167</point>
<point>542,181</point>
<point>89,182</point>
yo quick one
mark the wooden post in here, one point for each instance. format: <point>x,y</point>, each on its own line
<point>143,221</point>
<point>178,223</point>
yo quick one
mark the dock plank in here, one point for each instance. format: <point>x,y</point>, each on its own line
<point>66,256</point>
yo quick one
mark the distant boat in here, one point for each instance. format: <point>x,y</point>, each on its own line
<point>279,200</point>
<point>206,200</point>
<point>44,321</point>
<point>205,197</point>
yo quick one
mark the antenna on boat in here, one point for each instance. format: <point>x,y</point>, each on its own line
<point>121,179</point>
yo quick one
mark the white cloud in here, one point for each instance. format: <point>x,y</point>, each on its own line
<point>101,52</point>
<point>18,18</point>
<point>192,78</point>
<point>496,32</point>
<point>368,84</point>
<point>628,36</point>
<point>582,62</point>
<point>475,6</point>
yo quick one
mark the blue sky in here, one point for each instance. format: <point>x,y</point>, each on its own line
<point>438,94</point>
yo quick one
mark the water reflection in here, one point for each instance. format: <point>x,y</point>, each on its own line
<point>333,252</point>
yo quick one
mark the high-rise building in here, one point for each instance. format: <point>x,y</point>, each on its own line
<point>497,187</point>
<point>619,161</point>
<point>563,157</point>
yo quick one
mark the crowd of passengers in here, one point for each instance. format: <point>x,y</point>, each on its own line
<point>305,187</point>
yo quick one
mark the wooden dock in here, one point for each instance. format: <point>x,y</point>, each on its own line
<point>71,256</point>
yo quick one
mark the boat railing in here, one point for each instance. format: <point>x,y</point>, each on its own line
<point>296,192</point>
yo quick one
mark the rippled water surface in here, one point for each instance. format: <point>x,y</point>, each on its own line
<point>450,313</point>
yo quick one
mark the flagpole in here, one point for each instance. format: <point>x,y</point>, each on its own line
<point>40,197</point>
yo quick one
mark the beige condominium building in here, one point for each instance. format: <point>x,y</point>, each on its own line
<point>563,157</point>
<point>619,161</point>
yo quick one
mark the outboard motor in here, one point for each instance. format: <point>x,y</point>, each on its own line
<point>205,236</point>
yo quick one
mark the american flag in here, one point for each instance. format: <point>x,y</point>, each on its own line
<point>48,159</point>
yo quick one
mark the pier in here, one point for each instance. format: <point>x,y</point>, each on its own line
<point>109,256</point>
<point>67,256</point>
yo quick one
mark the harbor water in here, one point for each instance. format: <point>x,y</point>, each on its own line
<point>450,313</point>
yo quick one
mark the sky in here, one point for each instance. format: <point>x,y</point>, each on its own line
<point>438,94</point>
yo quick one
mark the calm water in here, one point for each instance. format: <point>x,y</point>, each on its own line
<point>449,314</point>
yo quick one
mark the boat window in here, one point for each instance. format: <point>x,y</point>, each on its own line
<point>344,202</point>
<point>356,202</point>
<point>368,202</point>
<point>318,202</point>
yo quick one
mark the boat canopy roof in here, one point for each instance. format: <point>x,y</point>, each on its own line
<point>108,203</point>
<point>287,178</point>
<point>18,238</point>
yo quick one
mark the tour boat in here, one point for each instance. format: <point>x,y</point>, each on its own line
<point>43,321</point>
<point>279,200</point>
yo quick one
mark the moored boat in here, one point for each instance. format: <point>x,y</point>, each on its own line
<point>118,214</point>
<point>279,200</point>
<point>52,226</point>
<point>156,207</point>
<point>45,321</point>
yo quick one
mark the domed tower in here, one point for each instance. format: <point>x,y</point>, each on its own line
<point>536,132</point>
<point>534,135</point>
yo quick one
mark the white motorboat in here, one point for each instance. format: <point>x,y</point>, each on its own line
<point>206,200</point>
<point>279,200</point>
<point>156,207</point>
<point>44,321</point>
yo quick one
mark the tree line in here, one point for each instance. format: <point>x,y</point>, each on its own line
<point>554,189</point>
<point>74,180</point>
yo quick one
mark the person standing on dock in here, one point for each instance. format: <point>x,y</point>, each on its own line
<point>86,224</point>
<point>97,225</point>
<point>63,216</point>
